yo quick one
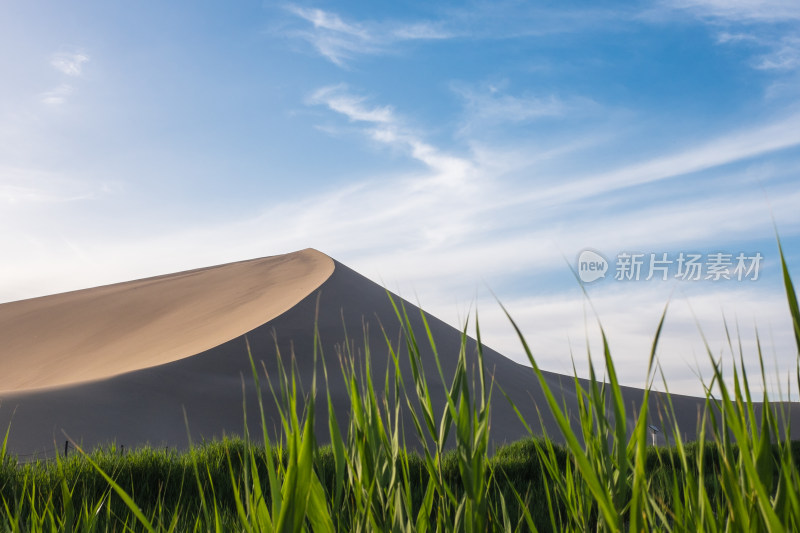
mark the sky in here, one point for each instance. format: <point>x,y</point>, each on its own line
<point>458,153</point>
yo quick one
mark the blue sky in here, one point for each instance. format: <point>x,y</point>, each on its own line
<point>443,149</point>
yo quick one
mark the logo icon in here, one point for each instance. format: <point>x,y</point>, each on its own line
<point>591,266</point>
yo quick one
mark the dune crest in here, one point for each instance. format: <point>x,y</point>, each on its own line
<point>97,333</point>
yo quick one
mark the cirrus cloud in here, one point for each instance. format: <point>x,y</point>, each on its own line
<point>70,64</point>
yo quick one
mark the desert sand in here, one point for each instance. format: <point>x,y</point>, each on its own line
<point>133,362</point>
<point>97,333</point>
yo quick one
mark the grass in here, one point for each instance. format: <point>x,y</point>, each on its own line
<point>740,475</point>
<point>161,480</point>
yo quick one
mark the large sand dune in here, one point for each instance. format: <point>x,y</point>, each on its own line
<point>125,362</point>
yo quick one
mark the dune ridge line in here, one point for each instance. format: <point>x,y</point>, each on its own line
<point>92,334</point>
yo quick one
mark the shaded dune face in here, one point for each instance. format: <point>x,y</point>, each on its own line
<point>152,403</point>
<point>98,333</point>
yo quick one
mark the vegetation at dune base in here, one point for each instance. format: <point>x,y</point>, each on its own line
<point>741,475</point>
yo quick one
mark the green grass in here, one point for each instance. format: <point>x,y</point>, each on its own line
<point>159,480</point>
<point>741,475</point>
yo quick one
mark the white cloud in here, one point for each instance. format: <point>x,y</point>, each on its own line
<point>338,99</point>
<point>70,64</point>
<point>494,104</point>
<point>783,51</point>
<point>769,25</point>
<point>19,186</point>
<point>785,55</point>
<point>386,128</point>
<point>58,95</point>
<point>738,146</point>
<point>741,10</point>
<point>727,37</point>
<point>328,21</point>
<point>339,41</point>
<point>420,31</point>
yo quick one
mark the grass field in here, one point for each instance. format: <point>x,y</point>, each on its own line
<point>163,483</point>
<point>741,475</point>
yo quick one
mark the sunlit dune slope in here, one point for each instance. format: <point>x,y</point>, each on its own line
<point>97,333</point>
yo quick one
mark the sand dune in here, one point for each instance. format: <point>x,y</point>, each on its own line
<point>97,333</point>
<point>126,369</point>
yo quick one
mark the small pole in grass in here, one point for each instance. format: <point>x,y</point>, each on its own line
<point>122,449</point>
<point>653,431</point>
<point>66,447</point>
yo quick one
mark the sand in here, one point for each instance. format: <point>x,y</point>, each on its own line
<point>97,333</point>
<point>132,362</point>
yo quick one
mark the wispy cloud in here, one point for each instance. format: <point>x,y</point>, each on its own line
<point>783,51</point>
<point>339,40</point>
<point>20,186</point>
<point>355,108</point>
<point>420,31</point>
<point>769,25</point>
<point>492,103</point>
<point>747,143</point>
<point>69,63</point>
<point>385,127</point>
<point>785,55</point>
<point>741,10</point>
<point>464,216</point>
<point>58,95</point>
<point>494,108</point>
